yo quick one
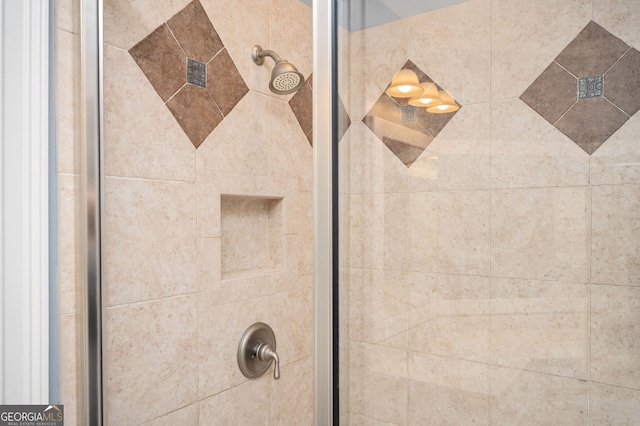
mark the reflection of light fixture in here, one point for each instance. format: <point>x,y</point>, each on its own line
<point>404,85</point>
<point>428,98</point>
<point>448,104</point>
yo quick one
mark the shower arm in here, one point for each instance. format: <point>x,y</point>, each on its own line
<point>259,54</point>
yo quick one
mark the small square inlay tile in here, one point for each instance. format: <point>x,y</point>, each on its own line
<point>406,130</point>
<point>196,73</point>
<point>199,88</point>
<point>590,87</point>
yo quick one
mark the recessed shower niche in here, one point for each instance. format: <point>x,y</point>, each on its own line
<point>252,235</point>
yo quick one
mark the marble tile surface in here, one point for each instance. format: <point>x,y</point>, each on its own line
<point>449,232</point>
<point>139,221</point>
<point>541,233</point>
<point>615,234</point>
<point>151,359</point>
<point>615,337</point>
<point>517,397</point>
<point>613,405</point>
<point>540,326</point>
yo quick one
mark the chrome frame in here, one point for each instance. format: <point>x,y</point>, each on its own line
<point>323,41</point>
<point>91,94</point>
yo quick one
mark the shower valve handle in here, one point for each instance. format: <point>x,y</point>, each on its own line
<point>265,353</point>
<point>257,350</point>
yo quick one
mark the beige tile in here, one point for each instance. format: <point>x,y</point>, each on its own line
<point>291,316</point>
<point>376,55</point>
<point>464,144</point>
<point>69,367</point>
<point>609,405</point>
<point>540,233</point>
<point>241,25</point>
<point>450,45</point>
<point>449,232</point>
<point>291,155</point>
<point>523,48</point>
<point>615,336</point>
<point>68,280</point>
<point>378,377</point>
<point>210,185</point>
<point>67,154</point>
<point>66,15</point>
<point>126,22</point>
<point>615,234</point>
<point>540,326</point>
<point>141,136</point>
<point>252,236</point>
<point>292,20</point>
<point>522,397</point>
<point>151,350</point>
<point>361,142</point>
<point>358,420</point>
<point>449,315</point>
<point>620,17</point>
<point>366,235</point>
<point>240,144</point>
<point>447,391</point>
<point>380,307</point>
<point>617,161</point>
<point>526,151</point>
<point>150,240</point>
<point>246,404</point>
<point>183,416</point>
<point>220,329</point>
<point>292,395</point>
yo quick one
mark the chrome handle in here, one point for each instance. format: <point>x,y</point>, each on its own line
<point>266,354</point>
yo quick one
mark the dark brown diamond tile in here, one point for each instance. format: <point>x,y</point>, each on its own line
<point>160,58</point>
<point>405,152</point>
<point>590,122</point>
<point>196,112</point>
<point>622,83</point>
<point>195,33</point>
<point>386,107</point>
<point>592,52</point>
<point>552,93</point>
<point>224,82</point>
<point>302,106</point>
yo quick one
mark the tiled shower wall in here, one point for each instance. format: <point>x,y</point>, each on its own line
<point>496,280</point>
<point>174,315</point>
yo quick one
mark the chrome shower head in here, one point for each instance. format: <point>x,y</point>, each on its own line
<point>285,78</point>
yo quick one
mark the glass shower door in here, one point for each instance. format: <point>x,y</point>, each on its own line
<point>489,248</point>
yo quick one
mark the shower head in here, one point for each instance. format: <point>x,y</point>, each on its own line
<point>285,78</point>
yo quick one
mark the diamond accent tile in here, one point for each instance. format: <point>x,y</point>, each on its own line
<point>406,130</point>
<point>590,87</point>
<point>552,94</point>
<point>195,33</point>
<point>301,103</point>
<point>592,52</point>
<point>196,73</point>
<point>188,66</point>
<point>591,114</point>
<point>591,122</point>
<point>623,82</point>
